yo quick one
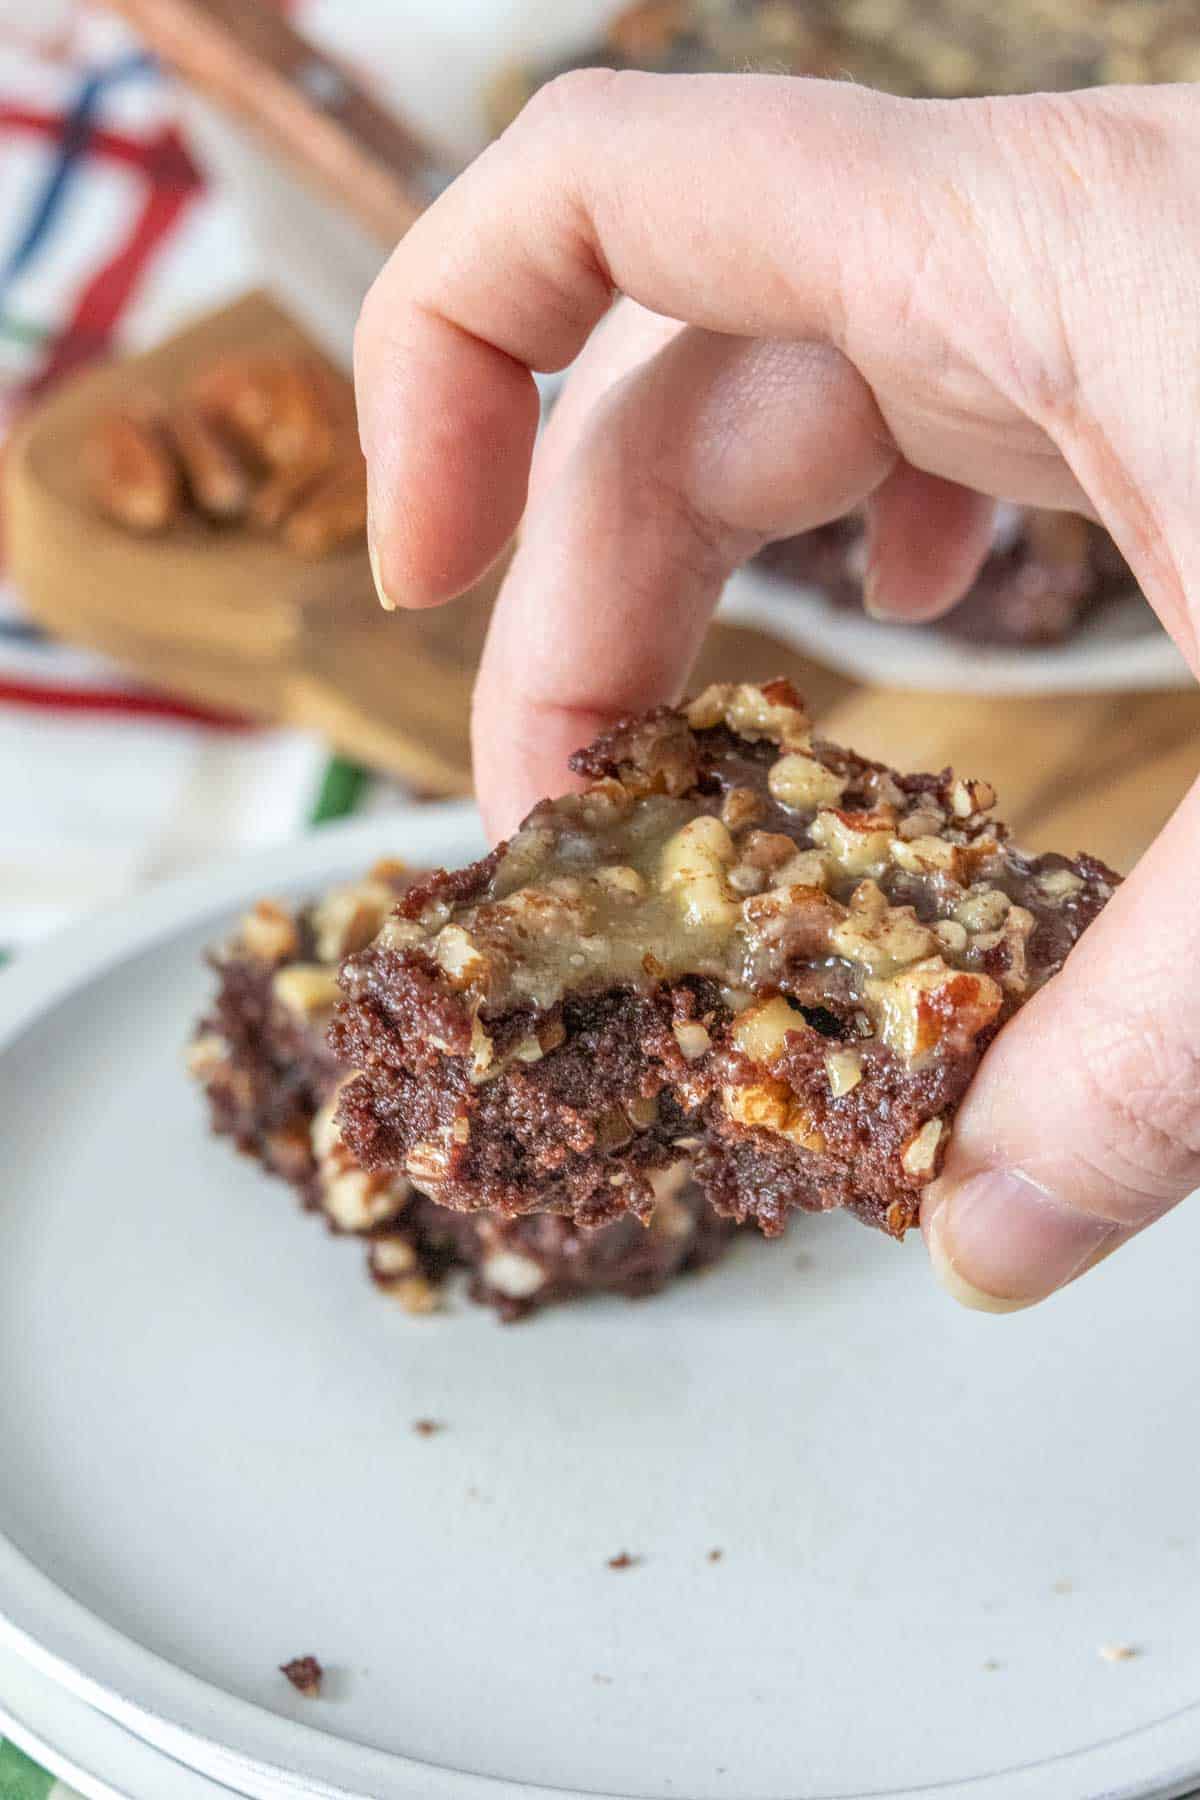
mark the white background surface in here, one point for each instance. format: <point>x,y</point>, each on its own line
<point>209,1467</point>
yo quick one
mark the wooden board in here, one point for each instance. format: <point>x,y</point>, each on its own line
<point>234,618</point>
<point>238,621</point>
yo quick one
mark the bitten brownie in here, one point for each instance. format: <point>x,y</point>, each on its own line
<point>738,942</point>
<point>272,1082</point>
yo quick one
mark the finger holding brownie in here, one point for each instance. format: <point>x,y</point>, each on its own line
<point>862,301</point>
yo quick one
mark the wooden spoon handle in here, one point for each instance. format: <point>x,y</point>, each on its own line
<point>247,57</point>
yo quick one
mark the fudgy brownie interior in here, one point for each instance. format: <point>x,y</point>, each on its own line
<point>738,943</point>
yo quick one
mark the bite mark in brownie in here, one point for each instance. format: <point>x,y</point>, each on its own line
<point>272,1084</point>
<point>738,943</point>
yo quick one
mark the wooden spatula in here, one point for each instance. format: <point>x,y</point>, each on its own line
<point>301,102</point>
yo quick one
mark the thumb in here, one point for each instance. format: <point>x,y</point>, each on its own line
<point>1083,1123</point>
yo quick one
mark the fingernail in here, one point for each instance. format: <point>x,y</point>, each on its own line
<point>875,602</point>
<point>385,600</point>
<point>999,1242</point>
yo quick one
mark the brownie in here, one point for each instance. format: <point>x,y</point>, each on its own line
<point>933,49</point>
<point>739,943</point>
<point>272,1083</point>
<point>1044,575</point>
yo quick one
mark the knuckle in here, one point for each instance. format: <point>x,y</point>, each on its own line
<point>566,100</point>
<point>1083,170</point>
<point>1091,136</point>
<point>1037,357</point>
<point>645,437</point>
<point>705,548</point>
<point>552,141</point>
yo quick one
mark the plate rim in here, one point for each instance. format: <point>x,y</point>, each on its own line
<point>802,617</point>
<point>64,1736</point>
<point>234,1741</point>
<point>40,976</point>
<point>41,1621</point>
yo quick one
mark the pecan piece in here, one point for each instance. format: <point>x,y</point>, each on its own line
<point>217,478</point>
<point>332,513</point>
<point>130,471</point>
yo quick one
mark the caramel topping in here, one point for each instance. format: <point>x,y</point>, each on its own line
<point>787,857</point>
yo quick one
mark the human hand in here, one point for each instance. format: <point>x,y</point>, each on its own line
<point>860,300</point>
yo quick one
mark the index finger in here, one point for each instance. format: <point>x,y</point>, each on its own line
<point>757,206</point>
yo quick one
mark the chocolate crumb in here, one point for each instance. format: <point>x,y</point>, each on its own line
<point>715,1555</point>
<point>428,1427</point>
<point>305,1674</point>
<point>624,1561</point>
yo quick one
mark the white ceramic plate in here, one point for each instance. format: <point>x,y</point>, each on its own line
<point>100,1759</point>
<point>931,1522</point>
<point>1122,649</point>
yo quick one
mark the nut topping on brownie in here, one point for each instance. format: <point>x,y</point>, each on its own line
<point>735,934</point>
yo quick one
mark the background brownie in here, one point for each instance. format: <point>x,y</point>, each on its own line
<point>1044,576</point>
<point>936,49</point>
<point>272,1083</point>
<point>737,943</point>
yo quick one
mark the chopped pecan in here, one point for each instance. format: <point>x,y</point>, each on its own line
<point>130,471</point>
<point>217,478</point>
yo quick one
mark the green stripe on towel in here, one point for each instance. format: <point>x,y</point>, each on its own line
<point>21,1779</point>
<point>341,790</point>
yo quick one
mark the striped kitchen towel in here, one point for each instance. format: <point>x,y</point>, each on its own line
<point>109,237</point>
<point>23,1779</point>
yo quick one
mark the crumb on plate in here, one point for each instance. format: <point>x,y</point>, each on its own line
<point>305,1674</point>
